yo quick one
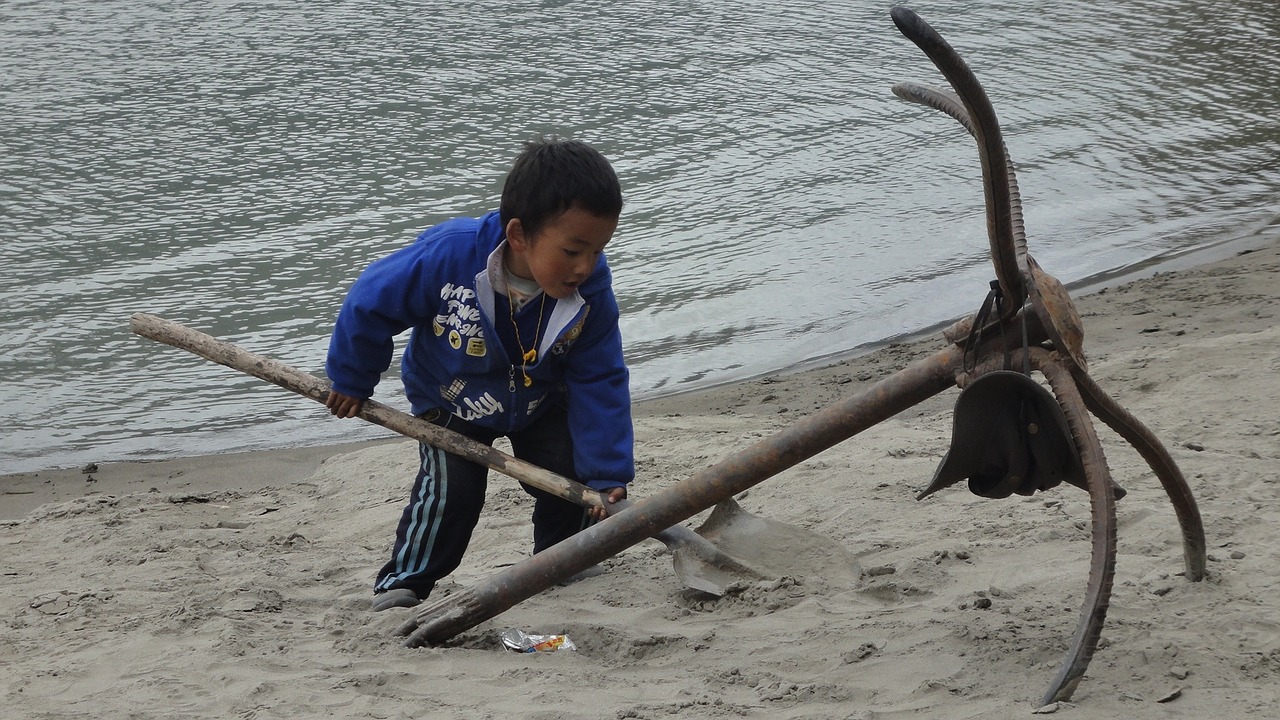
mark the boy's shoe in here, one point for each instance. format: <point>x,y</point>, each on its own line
<point>396,597</point>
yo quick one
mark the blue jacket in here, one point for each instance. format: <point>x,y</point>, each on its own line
<point>456,361</point>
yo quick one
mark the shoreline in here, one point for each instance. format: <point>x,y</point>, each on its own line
<point>25,491</point>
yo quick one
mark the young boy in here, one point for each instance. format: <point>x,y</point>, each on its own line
<point>515,334</point>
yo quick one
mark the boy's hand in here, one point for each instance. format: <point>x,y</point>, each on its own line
<point>611,496</point>
<point>343,406</point>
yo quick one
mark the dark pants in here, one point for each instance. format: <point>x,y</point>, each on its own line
<point>448,494</point>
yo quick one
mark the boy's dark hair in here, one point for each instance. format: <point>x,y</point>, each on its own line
<point>552,175</point>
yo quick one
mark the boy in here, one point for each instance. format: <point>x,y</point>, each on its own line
<point>515,333</point>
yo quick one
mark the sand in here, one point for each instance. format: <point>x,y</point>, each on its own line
<point>239,586</point>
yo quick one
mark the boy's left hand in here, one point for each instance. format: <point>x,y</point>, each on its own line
<point>610,496</point>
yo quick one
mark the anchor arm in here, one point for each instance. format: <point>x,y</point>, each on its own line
<point>1161,462</point>
<point>1007,252</point>
<point>951,104</point>
<point>1102,503</point>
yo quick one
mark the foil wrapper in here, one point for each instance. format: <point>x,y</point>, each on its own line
<point>520,641</point>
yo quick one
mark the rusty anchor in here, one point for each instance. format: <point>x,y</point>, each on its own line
<point>1036,308</point>
<point>1060,359</point>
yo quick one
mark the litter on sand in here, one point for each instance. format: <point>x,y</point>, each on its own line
<point>520,641</point>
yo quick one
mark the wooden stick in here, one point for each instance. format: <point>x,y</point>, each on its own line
<point>277,373</point>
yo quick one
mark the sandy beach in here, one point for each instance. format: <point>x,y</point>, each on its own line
<point>239,585</point>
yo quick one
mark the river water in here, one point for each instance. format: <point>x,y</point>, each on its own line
<point>233,166</point>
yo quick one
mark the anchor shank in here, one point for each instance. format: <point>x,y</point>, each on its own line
<point>911,385</point>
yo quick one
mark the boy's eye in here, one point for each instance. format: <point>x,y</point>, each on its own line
<point>571,253</point>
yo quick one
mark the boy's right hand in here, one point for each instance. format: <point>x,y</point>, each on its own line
<point>343,406</point>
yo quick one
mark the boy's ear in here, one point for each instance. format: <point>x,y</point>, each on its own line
<point>515,235</point>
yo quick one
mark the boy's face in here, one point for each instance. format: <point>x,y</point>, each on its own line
<point>562,254</point>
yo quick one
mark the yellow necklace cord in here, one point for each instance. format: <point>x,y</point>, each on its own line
<point>530,355</point>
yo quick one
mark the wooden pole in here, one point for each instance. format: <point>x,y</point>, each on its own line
<point>277,373</point>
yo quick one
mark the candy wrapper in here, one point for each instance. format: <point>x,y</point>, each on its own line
<point>520,641</point>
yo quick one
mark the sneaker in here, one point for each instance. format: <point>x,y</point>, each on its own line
<point>396,597</point>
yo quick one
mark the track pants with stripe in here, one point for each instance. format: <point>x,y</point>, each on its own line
<point>448,494</point>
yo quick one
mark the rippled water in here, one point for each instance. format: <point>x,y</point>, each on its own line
<point>233,166</point>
